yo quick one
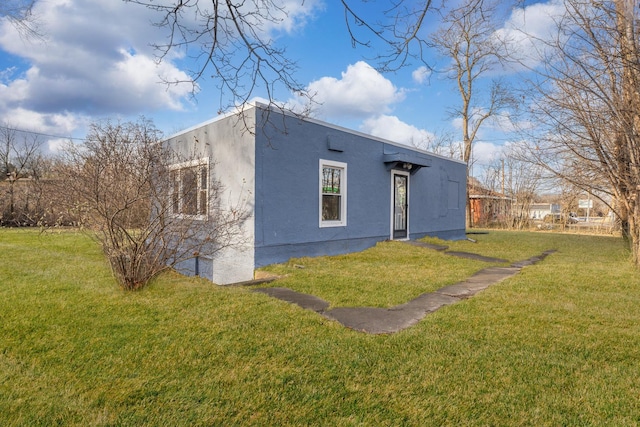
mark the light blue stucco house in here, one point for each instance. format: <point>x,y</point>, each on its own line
<point>312,189</point>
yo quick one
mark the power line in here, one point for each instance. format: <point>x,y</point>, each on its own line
<point>41,134</point>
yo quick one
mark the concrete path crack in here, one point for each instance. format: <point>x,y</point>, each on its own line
<point>374,320</point>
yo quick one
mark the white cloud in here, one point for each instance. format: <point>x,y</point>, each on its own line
<point>96,59</point>
<point>62,123</point>
<point>421,74</point>
<point>56,145</point>
<point>528,29</point>
<point>364,95</point>
<point>502,121</point>
<point>84,67</point>
<point>393,129</point>
<point>290,15</point>
<point>360,92</point>
<point>485,152</point>
<point>506,123</point>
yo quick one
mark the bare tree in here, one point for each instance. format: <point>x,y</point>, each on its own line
<point>442,143</point>
<point>122,181</point>
<point>513,176</point>
<point>588,106</point>
<point>467,37</point>
<point>20,15</point>
<point>20,160</point>
<point>568,201</point>
<point>234,42</point>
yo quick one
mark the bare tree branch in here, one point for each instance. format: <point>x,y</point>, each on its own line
<point>399,28</point>
<point>21,161</point>
<point>467,37</point>
<point>587,108</point>
<point>20,15</point>
<point>122,181</point>
<point>233,42</point>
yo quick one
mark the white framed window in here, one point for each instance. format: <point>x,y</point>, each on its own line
<point>190,189</point>
<point>333,194</point>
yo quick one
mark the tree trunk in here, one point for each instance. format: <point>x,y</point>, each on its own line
<point>633,238</point>
<point>12,202</point>
<point>624,227</point>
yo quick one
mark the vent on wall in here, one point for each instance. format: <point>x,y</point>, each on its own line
<point>335,143</point>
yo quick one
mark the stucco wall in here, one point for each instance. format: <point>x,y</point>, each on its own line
<point>274,175</point>
<point>230,150</point>
<point>287,186</point>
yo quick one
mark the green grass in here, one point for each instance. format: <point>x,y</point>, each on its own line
<point>558,344</point>
<point>389,274</point>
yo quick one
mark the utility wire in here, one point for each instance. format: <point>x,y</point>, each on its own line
<point>41,134</point>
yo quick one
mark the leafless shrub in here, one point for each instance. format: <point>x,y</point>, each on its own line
<point>123,183</point>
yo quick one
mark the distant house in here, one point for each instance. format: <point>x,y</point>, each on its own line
<point>540,210</point>
<point>317,189</point>
<point>488,207</point>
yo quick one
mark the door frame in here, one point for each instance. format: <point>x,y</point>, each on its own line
<point>392,204</point>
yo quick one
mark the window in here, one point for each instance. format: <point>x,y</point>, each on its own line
<point>333,194</point>
<point>190,188</point>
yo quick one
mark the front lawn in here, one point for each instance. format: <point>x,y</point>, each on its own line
<point>558,344</point>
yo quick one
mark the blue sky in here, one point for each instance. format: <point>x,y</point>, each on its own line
<point>95,61</point>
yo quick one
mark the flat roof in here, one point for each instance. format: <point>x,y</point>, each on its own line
<point>308,119</point>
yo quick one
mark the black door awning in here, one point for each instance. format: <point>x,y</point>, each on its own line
<point>406,161</point>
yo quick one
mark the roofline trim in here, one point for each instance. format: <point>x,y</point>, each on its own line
<point>261,105</point>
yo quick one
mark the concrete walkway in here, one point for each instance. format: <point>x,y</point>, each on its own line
<point>375,320</point>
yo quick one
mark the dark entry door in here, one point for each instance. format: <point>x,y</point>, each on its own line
<point>400,205</point>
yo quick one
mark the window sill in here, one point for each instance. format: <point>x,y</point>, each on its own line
<point>329,224</point>
<point>190,217</point>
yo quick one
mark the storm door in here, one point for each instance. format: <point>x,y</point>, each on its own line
<point>400,207</point>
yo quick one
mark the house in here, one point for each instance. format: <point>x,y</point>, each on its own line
<point>540,210</point>
<point>313,189</point>
<point>488,207</point>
